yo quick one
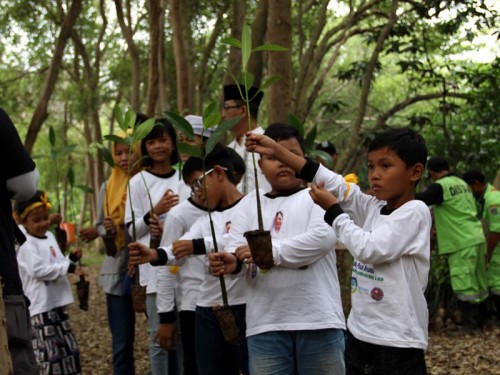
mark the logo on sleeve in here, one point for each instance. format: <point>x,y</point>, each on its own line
<point>354,285</point>
<point>494,210</point>
<point>377,294</point>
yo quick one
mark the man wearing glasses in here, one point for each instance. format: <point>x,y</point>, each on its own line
<point>234,105</point>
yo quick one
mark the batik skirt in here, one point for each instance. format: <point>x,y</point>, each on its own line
<point>54,343</point>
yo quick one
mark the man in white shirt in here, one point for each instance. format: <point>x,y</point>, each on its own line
<point>234,105</point>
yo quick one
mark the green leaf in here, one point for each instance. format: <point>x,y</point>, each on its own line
<point>310,138</point>
<point>269,81</point>
<point>248,79</point>
<point>211,116</point>
<point>144,129</point>
<point>71,177</point>
<point>180,124</point>
<point>219,132</point>
<point>106,155</point>
<point>232,42</point>
<point>85,189</point>
<point>270,47</point>
<point>52,136</point>
<point>119,119</point>
<point>294,122</point>
<point>246,46</point>
<point>191,150</point>
<point>130,117</point>
<point>324,156</point>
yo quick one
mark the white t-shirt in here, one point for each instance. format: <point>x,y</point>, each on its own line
<point>187,281</point>
<point>158,186</point>
<point>43,270</point>
<point>301,292</point>
<point>391,265</point>
<point>247,183</point>
<point>210,292</point>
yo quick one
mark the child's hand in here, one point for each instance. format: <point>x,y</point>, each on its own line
<point>243,254</point>
<point>77,253</point>
<point>109,225</point>
<point>322,197</point>
<point>140,254</point>
<point>166,202</point>
<point>165,335</point>
<point>260,143</point>
<point>88,234</point>
<point>182,248</point>
<point>221,263</point>
<point>155,226</point>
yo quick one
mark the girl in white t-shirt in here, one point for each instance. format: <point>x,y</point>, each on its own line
<point>43,269</point>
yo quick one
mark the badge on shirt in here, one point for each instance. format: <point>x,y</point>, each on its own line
<point>494,210</point>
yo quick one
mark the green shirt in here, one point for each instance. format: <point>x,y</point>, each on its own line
<point>457,226</point>
<point>489,209</point>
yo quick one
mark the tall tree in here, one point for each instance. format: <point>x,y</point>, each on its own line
<point>279,31</point>
<point>41,114</point>
<point>125,22</point>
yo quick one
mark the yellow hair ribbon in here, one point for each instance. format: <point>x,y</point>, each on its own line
<point>44,201</point>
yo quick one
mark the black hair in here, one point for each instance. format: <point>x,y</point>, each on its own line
<point>162,127</point>
<point>220,156</point>
<point>474,175</point>
<point>238,162</point>
<point>191,165</point>
<point>140,118</point>
<point>438,164</point>
<point>20,206</point>
<point>406,143</point>
<point>282,132</point>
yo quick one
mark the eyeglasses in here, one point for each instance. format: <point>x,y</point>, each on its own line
<point>226,107</point>
<point>197,184</point>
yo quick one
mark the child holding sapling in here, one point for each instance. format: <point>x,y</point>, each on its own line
<point>156,185</point>
<point>214,355</point>
<point>388,235</point>
<point>295,322</point>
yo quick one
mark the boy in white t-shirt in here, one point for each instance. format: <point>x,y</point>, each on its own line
<point>389,237</point>
<point>295,322</point>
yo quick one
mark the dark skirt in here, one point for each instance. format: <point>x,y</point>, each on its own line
<point>54,343</point>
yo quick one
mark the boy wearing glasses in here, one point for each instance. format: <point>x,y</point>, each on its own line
<point>213,354</point>
<point>234,105</point>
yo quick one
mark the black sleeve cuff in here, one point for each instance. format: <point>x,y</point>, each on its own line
<point>167,317</point>
<point>71,268</point>
<point>199,247</point>
<point>332,213</point>
<point>239,265</point>
<point>73,257</point>
<point>162,258</point>
<point>308,171</point>
<point>146,218</point>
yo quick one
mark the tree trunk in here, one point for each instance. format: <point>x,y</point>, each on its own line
<point>41,114</point>
<point>237,21</point>
<point>259,29</point>
<point>128,34</point>
<point>184,105</point>
<point>162,103</point>
<point>154,10</point>
<point>279,28</point>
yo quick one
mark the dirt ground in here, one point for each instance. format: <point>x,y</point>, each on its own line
<point>478,355</point>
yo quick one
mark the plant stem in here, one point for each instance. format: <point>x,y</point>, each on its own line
<point>214,239</point>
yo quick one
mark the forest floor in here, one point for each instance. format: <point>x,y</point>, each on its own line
<point>478,354</point>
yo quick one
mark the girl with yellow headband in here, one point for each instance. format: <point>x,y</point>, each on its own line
<point>43,269</point>
<point>110,225</point>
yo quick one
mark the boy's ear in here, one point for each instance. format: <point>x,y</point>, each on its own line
<point>417,172</point>
<point>219,171</point>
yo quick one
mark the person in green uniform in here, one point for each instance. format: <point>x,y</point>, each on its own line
<point>461,238</point>
<point>488,205</point>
